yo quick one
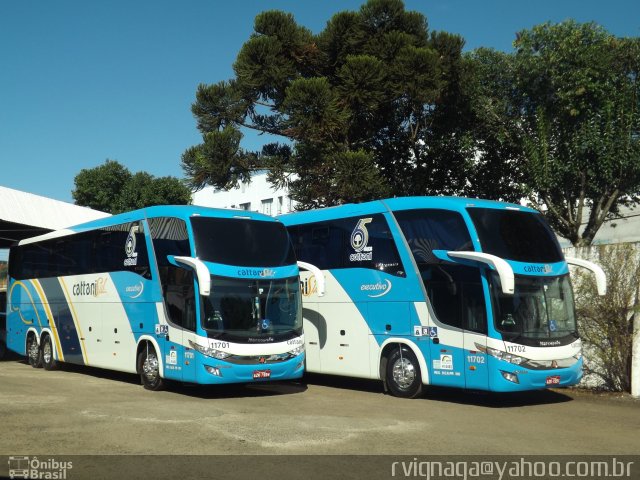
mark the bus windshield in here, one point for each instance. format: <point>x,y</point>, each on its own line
<point>541,308</point>
<point>516,235</point>
<point>253,311</point>
<point>242,242</point>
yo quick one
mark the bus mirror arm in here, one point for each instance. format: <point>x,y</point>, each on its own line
<point>316,273</point>
<point>504,270</point>
<point>601,277</point>
<point>202,272</point>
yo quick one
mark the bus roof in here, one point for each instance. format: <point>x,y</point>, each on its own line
<point>176,211</point>
<point>395,204</point>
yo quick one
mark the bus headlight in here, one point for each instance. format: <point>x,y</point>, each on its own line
<point>297,351</point>
<point>209,352</point>
<point>500,355</point>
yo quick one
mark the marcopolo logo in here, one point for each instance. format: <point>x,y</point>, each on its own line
<point>359,242</point>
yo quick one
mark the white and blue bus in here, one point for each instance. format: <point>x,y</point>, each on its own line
<point>438,291</point>
<point>179,293</point>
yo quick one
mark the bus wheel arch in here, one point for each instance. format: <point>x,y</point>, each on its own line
<point>33,350</point>
<point>148,366</point>
<point>401,370</point>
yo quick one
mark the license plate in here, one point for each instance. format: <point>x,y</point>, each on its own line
<point>553,380</point>
<point>261,374</point>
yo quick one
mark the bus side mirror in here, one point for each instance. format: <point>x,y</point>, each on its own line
<point>601,277</point>
<point>316,273</point>
<point>505,272</point>
<point>201,270</point>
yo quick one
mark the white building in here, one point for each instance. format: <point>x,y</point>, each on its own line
<point>257,196</point>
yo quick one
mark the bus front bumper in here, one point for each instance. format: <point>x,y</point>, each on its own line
<point>211,371</point>
<point>506,377</point>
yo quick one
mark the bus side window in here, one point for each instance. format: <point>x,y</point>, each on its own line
<point>179,297</point>
<point>169,237</point>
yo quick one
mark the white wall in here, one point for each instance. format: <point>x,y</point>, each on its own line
<point>257,196</point>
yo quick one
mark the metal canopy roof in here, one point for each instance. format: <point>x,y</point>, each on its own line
<point>24,215</point>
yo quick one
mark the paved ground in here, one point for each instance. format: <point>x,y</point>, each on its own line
<point>91,411</point>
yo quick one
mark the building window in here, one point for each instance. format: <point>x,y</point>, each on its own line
<point>266,206</point>
<point>245,206</point>
<point>280,204</point>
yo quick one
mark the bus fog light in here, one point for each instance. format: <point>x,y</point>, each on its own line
<point>213,370</point>
<point>511,377</point>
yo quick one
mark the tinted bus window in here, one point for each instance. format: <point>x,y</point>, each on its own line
<point>516,235</point>
<point>455,291</point>
<point>97,251</point>
<point>428,230</point>
<point>356,242</point>
<point>170,237</point>
<point>242,242</point>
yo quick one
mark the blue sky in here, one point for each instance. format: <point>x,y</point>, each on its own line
<point>83,81</point>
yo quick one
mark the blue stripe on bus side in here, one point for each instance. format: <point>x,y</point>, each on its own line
<point>69,339</point>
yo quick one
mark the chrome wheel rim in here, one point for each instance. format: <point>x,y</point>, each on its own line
<point>150,367</point>
<point>33,351</point>
<point>46,352</point>
<point>404,373</point>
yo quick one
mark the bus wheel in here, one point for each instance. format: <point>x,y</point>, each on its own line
<point>149,368</point>
<point>48,362</point>
<point>403,373</point>
<point>34,354</point>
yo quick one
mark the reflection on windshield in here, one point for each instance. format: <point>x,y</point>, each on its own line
<point>540,308</point>
<point>253,311</point>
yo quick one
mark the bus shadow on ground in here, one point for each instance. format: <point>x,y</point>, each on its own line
<point>234,390</point>
<point>496,399</point>
<point>451,395</point>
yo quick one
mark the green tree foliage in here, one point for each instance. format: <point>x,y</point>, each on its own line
<point>562,115</point>
<point>112,188</point>
<point>368,107</point>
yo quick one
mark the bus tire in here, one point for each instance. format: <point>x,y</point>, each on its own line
<point>34,353</point>
<point>403,375</point>
<point>48,360</point>
<point>149,368</point>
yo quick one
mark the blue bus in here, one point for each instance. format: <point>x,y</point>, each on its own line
<point>171,292</point>
<point>443,291</point>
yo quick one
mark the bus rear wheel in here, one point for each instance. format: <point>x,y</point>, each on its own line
<point>34,354</point>
<point>48,361</point>
<point>149,368</point>
<point>403,373</point>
